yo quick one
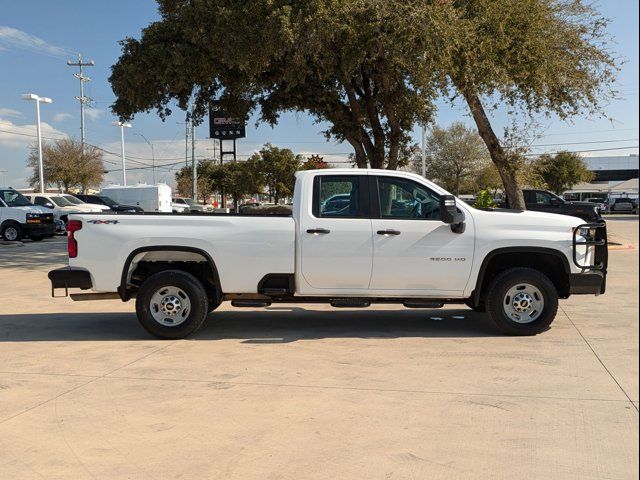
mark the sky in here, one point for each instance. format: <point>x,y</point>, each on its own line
<point>38,36</point>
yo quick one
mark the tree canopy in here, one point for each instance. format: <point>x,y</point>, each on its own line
<point>370,69</point>
<point>67,165</point>
<point>560,172</point>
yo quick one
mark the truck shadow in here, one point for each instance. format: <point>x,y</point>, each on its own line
<point>274,325</point>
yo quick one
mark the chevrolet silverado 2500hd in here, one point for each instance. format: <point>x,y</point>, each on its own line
<point>393,237</point>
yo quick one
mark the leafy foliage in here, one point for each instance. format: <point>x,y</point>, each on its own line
<point>484,199</point>
<point>314,162</point>
<point>371,69</point>
<point>455,155</point>
<point>66,165</point>
<point>562,171</point>
<point>277,167</point>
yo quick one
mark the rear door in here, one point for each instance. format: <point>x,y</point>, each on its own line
<point>414,252</point>
<point>335,237</point>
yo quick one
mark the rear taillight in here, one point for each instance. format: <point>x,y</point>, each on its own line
<point>72,244</point>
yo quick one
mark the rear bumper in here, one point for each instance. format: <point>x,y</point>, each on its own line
<point>587,283</point>
<point>69,277</point>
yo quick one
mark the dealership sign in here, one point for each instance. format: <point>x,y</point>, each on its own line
<point>224,127</point>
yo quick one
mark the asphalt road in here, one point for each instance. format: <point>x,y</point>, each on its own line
<point>306,392</point>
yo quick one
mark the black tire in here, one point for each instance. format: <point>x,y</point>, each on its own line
<point>36,238</point>
<point>186,283</point>
<point>11,232</point>
<point>496,299</point>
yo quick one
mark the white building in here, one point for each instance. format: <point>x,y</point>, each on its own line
<point>613,170</point>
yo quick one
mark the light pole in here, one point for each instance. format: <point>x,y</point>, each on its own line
<point>122,126</point>
<point>153,156</point>
<point>424,150</point>
<point>38,100</point>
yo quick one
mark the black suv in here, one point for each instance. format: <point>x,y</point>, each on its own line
<point>102,200</point>
<point>545,201</point>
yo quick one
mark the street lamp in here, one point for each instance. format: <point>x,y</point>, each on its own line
<point>153,156</point>
<point>122,126</point>
<point>38,100</point>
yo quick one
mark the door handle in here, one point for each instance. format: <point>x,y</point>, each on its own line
<point>388,232</point>
<point>323,231</point>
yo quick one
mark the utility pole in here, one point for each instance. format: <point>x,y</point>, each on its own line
<point>153,156</point>
<point>83,100</point>
<point>186,141</point>
<point>124,164</point>
<point>194,171</point>
<point>424,150</point>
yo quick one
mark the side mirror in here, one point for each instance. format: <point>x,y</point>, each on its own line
<point>555,201</point>
<point>450,214</point>
<point>49,205</point>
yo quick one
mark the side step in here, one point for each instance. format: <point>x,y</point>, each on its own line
<point>422,304</point>
<point>350,303</point>
<point>250,303</point>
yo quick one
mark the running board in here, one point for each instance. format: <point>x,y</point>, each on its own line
<point>250,303</point>
<point>419,304</point>
<point>350,303</point>
<point>83,297</point>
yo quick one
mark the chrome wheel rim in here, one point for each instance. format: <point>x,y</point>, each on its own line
<point>170,306</point>
<point>523,303</point>
<point>11,234</point>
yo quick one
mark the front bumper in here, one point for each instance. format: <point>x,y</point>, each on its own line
<point>39,229</point>
<point>68,277</point>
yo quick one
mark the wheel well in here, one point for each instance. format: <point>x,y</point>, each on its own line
<point>6,223</point>
<point>143,263</point>
<point>550,264</point>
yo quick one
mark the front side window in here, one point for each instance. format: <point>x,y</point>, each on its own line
<point>401,198</point>
<point>61,201</point>
<point>543,198</point>
<point>338,196</point>
<point>72,199</point>
<point>42,201</point>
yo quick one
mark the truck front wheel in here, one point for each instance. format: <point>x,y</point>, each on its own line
<point>172,304</point>
<point>522,301</point>
<point>11,232</point>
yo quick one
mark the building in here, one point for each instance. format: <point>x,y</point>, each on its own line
<point>613,170</point>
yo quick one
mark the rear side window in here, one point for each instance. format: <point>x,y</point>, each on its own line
<point>336,196</point>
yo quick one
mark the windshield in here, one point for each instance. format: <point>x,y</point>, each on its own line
<point>108,202</point>
<point>14,199</point>
<point>189,201</point>
<point>73,200</point>
<point>61,201</point>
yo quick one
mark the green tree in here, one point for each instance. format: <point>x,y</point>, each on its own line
<point>314,162</point>
<point>66,165</point>
<point>184,180</point>
<point>277,167</point>
<point>238,179</point>
<point>533,57</point>
<point>371,69</point>
<point>560,172</point>
<point>455,155</point>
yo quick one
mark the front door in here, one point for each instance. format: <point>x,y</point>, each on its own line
<point>415,253</point>
<point>335,238</point>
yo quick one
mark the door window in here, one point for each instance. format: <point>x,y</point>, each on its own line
<point>339,197</point>
<point>543,198</point>
<point>41,201</point>
<point>401,198</point>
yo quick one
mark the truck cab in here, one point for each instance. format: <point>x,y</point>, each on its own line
<point>548,202</point>
<point>354,238</point>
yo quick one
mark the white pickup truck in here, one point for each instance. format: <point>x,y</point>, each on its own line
<point>393,237</point>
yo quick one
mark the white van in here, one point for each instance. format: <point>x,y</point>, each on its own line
<point>19,218</point>
<point>151,198</point>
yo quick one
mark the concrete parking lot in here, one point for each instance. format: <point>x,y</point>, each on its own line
<point>295,392</point>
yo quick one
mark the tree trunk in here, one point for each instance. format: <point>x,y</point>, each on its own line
<point>506,170</point>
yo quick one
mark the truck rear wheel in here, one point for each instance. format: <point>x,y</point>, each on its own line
<point>172,304</point>
<point>522,301</point>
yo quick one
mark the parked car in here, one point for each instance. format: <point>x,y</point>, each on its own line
<point>179,207</point>
<point>76,201</point>
<point>111,204</point>
<point>545,201</point>
<point>191,205</point>
<point>624,205</point>
<point>19,218</point>
<point>60,206</point>
<point>434,250</point>
<point>600,202</point>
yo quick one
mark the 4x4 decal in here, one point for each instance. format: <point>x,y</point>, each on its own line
<point>103,222</point>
